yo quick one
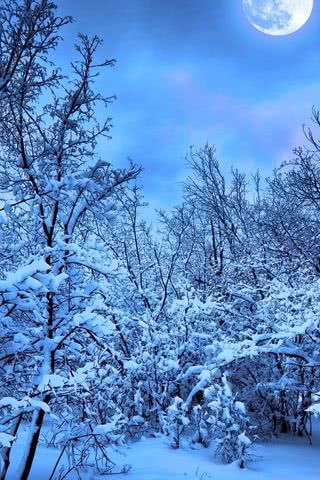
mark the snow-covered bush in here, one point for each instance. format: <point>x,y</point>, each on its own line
<point>229,423</point>
<point>201,433</point>
<point>176,421</point>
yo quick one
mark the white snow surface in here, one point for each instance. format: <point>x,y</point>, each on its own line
<point>285,458</point>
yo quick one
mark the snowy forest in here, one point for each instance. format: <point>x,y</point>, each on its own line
<point>202,329</point>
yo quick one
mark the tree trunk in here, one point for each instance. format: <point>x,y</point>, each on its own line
<point>33,442</point>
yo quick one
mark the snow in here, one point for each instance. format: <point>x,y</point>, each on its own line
<point>152,459</point>
<point>25,402</point>
<point>53,380</point>
<point>6,439</point>
<point>24,273</point>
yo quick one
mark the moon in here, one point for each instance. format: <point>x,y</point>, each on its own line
<point>278,17</point>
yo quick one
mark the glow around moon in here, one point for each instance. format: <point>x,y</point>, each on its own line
<point>278,17</point>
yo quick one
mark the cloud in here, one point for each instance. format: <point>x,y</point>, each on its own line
<point>191,71</point>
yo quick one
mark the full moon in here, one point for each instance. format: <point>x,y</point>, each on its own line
<point>278,17</point>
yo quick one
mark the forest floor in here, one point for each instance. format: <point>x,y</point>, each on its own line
<point>284,458</point>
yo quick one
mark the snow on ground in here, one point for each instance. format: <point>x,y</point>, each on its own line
<point>285,458</point>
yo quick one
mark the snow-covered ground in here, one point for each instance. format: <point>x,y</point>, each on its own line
<point>284,458</point>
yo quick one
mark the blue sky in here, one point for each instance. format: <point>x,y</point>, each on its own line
<point>195,71</point>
